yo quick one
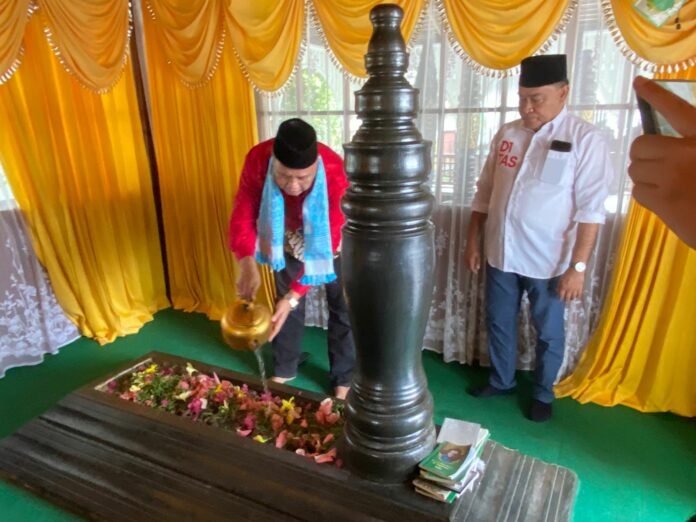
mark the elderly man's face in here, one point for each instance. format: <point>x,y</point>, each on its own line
<point>294,181</point>
<point>540,105</point>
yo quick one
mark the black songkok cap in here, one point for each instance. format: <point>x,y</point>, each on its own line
<point>544,69</point>
<point>295,144</point>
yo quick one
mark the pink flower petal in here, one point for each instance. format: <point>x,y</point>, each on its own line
<point>321,459</point>
<point>249,422</point>
<point>326,406</point>
<point>276,422</point>
<point>243,433</point>
<point>281,439</point>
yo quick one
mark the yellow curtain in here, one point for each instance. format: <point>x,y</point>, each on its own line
<point>77,166</point>
<point>642,354</point>
<point>14,14</point>
<point>672,44</point>
<point>266,36</point>
<point>346,27</point>
<point>201,138</point>
<point>498,34</point>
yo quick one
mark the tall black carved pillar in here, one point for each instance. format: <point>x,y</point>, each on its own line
<point>387,260</point>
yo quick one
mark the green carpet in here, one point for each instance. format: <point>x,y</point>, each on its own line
<point>632,466</point>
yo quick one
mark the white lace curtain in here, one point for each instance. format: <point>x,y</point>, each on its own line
<point>460,112</point>
<point>32,323</point>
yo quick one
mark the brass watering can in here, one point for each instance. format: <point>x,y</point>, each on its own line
<point>246,326</point>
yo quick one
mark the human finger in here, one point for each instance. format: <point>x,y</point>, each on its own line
<point>647,196</point>
<point>474,263</point>
<point>653,147</point>
<point>561,291</point>
<point>278,323</point>
<point>678,112</point>
<point>645,173</point>
<point>242,291</point>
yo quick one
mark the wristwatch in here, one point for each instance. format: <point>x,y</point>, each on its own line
<point>579,267</point>
<point>292,302</point>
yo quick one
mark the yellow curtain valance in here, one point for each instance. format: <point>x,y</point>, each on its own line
<point>266,35</point>
<point>346,28</point>
<point>494,36</point>
<point>14,16</point>
<point>89,37</point>
<point>192,34</point>
<point>669,48</point>
<point>267,39</point>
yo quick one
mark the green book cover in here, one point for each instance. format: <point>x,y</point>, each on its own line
<point>446,460</point>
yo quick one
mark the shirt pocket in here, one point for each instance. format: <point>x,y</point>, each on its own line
<point>557,168</point>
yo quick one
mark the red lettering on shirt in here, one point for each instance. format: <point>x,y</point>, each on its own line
<point>504,158</point>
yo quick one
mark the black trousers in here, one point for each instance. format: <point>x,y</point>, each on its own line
<point>287,344</point>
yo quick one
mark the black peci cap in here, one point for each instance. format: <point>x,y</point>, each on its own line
<point>295,144</point>
<point>544,69</point>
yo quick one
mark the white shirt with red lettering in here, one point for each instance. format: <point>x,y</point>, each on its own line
<point>534,196</point>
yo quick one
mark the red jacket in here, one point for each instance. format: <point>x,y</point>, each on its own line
<point>248,201</point>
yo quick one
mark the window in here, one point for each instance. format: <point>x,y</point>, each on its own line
<point>461,110</point>
<point>7,200</point>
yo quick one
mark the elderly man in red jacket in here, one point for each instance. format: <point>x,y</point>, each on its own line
<point>287,214</point>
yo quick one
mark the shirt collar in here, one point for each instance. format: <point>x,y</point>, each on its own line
<point>551,126</point>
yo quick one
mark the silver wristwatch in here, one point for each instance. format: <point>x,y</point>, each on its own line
<point>579,267</point>
<point>292,301</point>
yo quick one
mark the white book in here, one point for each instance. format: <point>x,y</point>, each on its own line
<point>459,432</point>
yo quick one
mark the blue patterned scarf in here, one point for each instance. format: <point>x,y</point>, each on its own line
<point>318,255</point>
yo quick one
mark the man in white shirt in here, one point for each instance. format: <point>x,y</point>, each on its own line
<point>541,198</point>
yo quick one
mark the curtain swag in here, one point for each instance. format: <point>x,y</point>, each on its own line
<point>89,37</point>
<point>345,28</point>
<point>667,49</point>
<point>14,16</point>
<point>493,43</point>
<point>268,37</point>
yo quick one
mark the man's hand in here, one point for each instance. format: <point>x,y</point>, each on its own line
<point>280,314</point>
<point>472,256</point>
<point>472,253</point>
<point>571,284</point>
<point>249,280</point>
<point>663,167</point>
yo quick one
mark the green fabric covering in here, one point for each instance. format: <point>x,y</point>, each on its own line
<point>632,466</point>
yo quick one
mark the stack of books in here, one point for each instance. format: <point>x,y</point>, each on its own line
<point>454,466</point>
